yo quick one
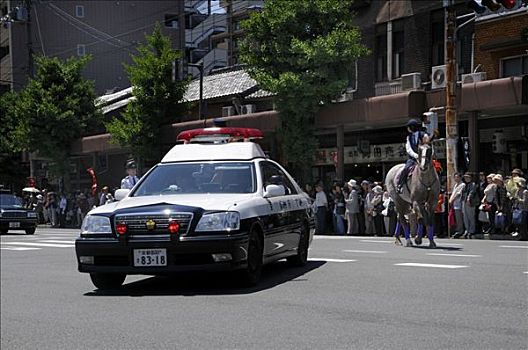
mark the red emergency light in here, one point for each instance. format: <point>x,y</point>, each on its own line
<point>232,134</point>
<point>121,228</point>
<point>174,227</point>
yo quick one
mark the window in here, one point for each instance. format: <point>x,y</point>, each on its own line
<point>437,54</point>
<point>514,66</point>
<point>398,48</point>
<point>171,21</point>
<point>79,11</point>
<point>4,51</point>
<point>381,53</point>
<point>271,174</point>
<point>81,49</point>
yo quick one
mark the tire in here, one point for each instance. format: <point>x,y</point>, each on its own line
<point>301,258</point>
<point>30,231</point>
<point>3,231</point>
<point>251,274</point>
<point>107,280</point>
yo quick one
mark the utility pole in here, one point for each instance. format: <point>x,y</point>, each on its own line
<point>29,40</point>
<point>451,113</point>
<point>201,106</point>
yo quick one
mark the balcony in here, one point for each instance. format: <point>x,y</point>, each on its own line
<point>388,87</point>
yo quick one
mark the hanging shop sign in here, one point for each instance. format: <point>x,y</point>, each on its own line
<point>392,152</point>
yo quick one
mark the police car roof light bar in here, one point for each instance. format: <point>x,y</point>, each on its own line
<point>224,134</point>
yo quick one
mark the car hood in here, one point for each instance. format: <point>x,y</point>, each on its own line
<point>212,201</point>
<point>12,207</point>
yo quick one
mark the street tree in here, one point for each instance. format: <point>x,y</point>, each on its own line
<point>157,98</point>
<point>51,111</point>
<point>304,52</point>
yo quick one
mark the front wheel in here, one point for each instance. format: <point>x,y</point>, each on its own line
<point>107,280</point>
<point>251,274</point>
<point>301,257</point>
<point>30,231</point>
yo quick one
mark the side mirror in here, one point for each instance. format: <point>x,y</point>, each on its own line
<point>274,191</point>
<point>121,193</point>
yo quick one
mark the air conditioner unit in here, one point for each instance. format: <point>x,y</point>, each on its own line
<point>438,77</point>
<point>228,111</point>
<point>247,109</point>
<point>473,77</point>
<point>346,96</point>
<point>411,81</point>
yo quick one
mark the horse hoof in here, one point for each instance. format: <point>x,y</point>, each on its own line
<point>418,240</point>
<point>408,243</point>
<point>397,242</point>
<point>432,244</point>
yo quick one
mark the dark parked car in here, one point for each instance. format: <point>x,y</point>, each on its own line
<point>14,216</point>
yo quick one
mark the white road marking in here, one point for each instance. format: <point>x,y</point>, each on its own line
<point>41,244</point>
<point>514,246</point>
<point>365,251</point>
<point>332,237</point>
<point>462,255</point>
<point>332,260</point>
<point>53,241</point>
<point>19,248</point>
<point>431,265</point>
<point>525,272</point>
<point>373,241</point>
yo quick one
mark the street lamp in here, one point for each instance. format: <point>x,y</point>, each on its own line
<point>201,109</point>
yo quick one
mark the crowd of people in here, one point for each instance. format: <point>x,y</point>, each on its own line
<point>489,204</point>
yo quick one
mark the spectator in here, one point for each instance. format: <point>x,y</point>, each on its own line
<point>321,204</point>
<point>352,208</point>
<point>520,204</point>
<point>481,186</point>
<point>63,205</point>
<point>339,210</point>
<point>83,208</point>
<point>389,214</point>
<point>105,197</point>
<point>489,202</point>
<point>439,215</point>
<point>503,203</point>
<point>362,204</point>
<point>511,184</point>
<point>368,211</point>
<point>456,202</point>
<point>377,208</point>
<point>470,201</point>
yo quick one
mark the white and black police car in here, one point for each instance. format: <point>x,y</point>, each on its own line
<point>214,202</point>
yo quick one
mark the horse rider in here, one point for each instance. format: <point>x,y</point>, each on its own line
<point>131,179</point>
<point>416,136</point>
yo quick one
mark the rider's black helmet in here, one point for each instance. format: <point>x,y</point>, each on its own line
<point>413,124</point>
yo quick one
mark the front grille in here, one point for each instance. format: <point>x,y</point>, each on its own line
<point>14,215</point>
<point>137,223</point>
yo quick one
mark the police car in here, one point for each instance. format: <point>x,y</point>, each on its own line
<point>215,202</point>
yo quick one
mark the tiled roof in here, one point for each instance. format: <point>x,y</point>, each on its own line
<point>221,84</point>
<point>259,94</point>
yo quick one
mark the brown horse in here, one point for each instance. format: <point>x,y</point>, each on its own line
<point>418,199</point>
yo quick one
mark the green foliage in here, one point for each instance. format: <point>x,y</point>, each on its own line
<point>54,109</point>
<point>157,98</point>
<point>303,51</point>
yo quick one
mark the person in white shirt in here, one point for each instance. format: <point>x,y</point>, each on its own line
<point>63,204</point>
<point>131,179</point>
<point>456,202</point>
<point>321,203</point>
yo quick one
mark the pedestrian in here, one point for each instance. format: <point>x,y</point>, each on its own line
<point>511,184</point>
<point>363,191</point>
<point>83,207</point>
<point>352,208</point>
<point>470,201</point>
<point>129,181</point>
<point>321,204</point>
<point>456,203</point>
<point>40,209</point>
<point>105,197</point>
<point>439,216</point>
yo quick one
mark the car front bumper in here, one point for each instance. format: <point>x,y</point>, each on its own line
<point>183,254</point>
<point>20,223</point>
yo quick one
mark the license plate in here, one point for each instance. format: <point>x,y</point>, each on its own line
<point>14,224</point>
<point>150,257</point>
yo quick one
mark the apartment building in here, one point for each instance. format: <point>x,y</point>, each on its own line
<point>109,31</point>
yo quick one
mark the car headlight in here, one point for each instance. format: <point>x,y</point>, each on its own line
<point>31,214</point>
<point>96,224</point>
<point>222,221</point>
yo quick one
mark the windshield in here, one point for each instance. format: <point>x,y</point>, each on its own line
<point>180,178</point>
<point>10,200</point>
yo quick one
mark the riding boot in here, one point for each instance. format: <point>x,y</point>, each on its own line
<point>401,180</point>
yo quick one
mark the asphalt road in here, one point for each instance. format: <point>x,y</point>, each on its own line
<point>355,293</point>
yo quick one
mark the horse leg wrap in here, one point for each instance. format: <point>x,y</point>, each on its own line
<point>430,233</point>
<point>407,231</point>
<point>420,230</point>
<point>397,231</point>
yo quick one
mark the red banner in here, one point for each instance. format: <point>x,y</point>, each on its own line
<point>94,180</point>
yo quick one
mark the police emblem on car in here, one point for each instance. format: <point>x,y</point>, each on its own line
<point>215,202</point>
